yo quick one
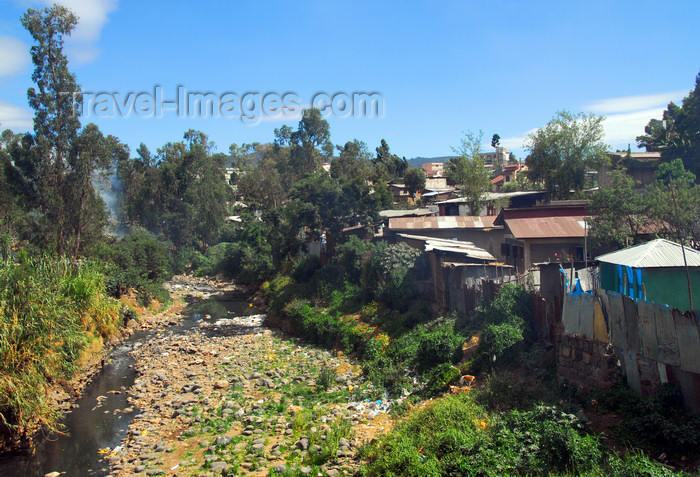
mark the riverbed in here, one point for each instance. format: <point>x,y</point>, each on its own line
<point>215,392</point>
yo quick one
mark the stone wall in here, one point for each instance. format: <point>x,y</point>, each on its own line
<point>587,364</point>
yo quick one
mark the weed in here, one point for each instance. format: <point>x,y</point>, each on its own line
<point>325,379</point>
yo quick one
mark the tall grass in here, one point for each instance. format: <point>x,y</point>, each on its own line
<point>49,310</point>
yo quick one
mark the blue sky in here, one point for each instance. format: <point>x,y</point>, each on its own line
<point>441,68</point>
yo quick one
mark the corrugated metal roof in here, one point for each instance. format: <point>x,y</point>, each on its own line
<point>405,213</point>
<point>547,227</point>
<point>494,196</point>
<point>453,246</point>
<point>441,222</point>
<point>655,254</point>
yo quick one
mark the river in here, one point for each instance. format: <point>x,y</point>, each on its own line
<point>103,415</point>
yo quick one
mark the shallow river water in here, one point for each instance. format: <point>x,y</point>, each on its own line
<point>99,420</point>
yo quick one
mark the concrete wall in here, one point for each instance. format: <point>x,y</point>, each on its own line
<point>587,364</point>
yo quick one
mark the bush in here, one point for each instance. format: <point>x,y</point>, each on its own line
<point>139,259</point>
<point>387,275</point>
<point>305,267</point>
<point>325,378</point>
<point>437,347</point>
<point>660,424</point>
<point>505,327</point>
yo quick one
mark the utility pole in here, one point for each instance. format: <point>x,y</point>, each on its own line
<point>680,239</point>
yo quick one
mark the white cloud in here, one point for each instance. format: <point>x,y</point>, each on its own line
<point>516,143</point>
<point>622,129</point>
<point>634,103</point>
<point>15,56</point>
<point>92,16</point>
<point>627,116</point>
<point>15,117</point>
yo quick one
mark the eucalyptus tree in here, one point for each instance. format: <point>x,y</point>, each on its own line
<point>53,100</point>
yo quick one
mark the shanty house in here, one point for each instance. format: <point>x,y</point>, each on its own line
<point>463,273</point>
<point>551,233</point>
<point>478,230</point>
<point>653,271</point>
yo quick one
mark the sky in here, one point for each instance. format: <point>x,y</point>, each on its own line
<point>435,70</point>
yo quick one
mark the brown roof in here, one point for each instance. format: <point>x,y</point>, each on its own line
<point>547,227</point>
<point>442,222</point>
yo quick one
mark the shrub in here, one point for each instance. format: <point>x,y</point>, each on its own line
<point>305,267</point>
<point>387,277</point>
<point>437,347</point>
<point>505,325</point>
<point>138,260</point>
<point>325,378</point>
<point>661,424</point>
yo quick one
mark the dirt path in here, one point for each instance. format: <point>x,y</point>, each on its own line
<point>233,397</point>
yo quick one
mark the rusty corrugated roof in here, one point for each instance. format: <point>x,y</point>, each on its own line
<point>442,222</point>
<point>547,227</point>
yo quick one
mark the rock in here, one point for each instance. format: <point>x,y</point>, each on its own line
<point>155,472</point>
<point>223,440</point>
<point>221,384</point>
<point>332,473</point>
<point>218,467</point>
<point>280,468</point>
<point>303,443</point>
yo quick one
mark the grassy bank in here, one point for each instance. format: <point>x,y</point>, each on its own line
<point>51,312</point>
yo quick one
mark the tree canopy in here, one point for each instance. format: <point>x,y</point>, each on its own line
<point>562,151</point>
<point>677,135</point>
<point>468,172</point>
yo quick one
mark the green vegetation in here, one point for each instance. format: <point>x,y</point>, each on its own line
<point>468,171</point>
<point>561,151</point>
<point>50,310</point>
<point>668,209</point>
<point>456,436</point>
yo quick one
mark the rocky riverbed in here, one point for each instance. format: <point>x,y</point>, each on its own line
<point>231,397</point>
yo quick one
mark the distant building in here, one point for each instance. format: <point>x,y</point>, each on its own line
<point>496,160</point>
<point>640,166</point>
<point>493,202</point>
<point>509,173</point>
<point>434,169</point>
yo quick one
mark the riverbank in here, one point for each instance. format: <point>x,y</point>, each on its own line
<point>234,395</point>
